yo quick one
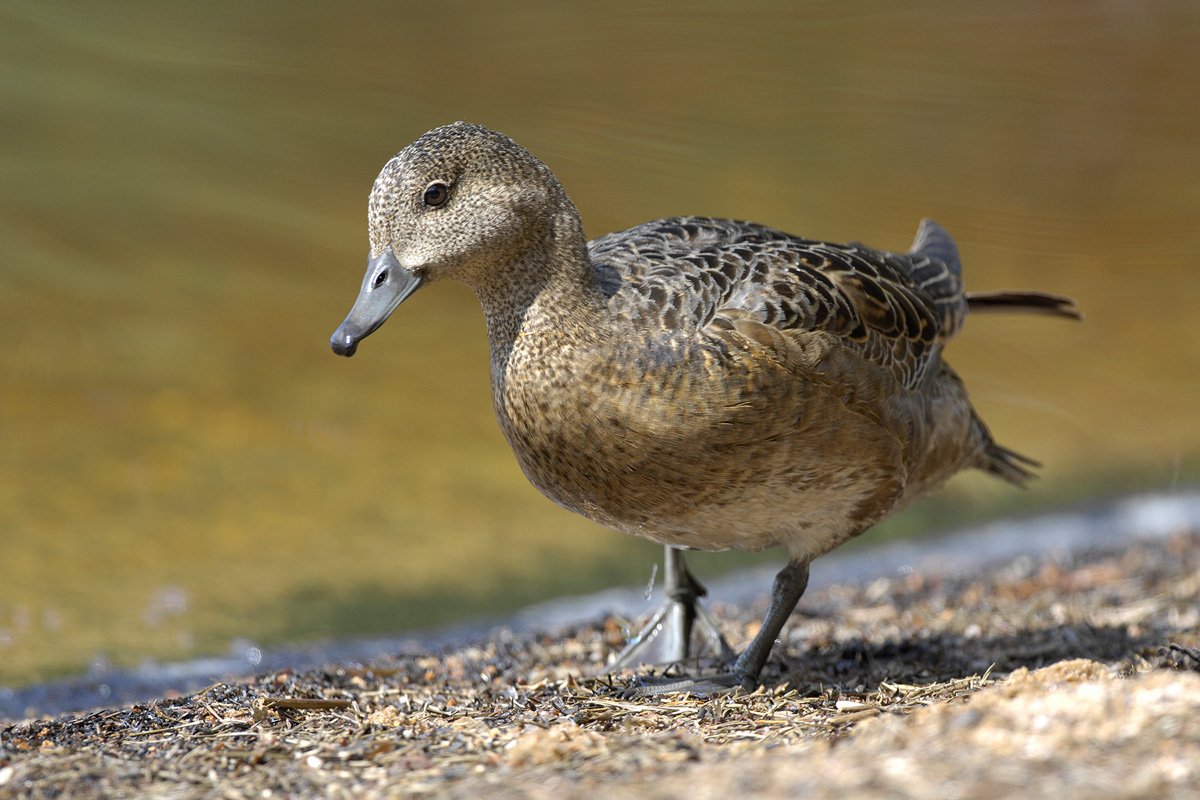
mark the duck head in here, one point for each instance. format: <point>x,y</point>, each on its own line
<point>461,202</point>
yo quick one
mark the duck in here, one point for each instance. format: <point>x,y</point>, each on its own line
<point>708,384</point>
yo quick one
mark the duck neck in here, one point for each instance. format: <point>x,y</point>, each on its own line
<point>550,288</point>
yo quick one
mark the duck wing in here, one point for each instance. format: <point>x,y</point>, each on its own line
<point>696,272</point>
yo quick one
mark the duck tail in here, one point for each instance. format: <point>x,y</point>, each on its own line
<point>1056,305</point>
<point>1007,464</point>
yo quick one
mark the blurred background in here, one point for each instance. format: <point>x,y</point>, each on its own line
<point>184,463</point>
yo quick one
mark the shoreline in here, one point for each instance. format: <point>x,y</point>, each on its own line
<point>952,554</point>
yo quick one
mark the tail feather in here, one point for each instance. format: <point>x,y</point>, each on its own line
<point>1008,464</point>
<point>1028,302</point>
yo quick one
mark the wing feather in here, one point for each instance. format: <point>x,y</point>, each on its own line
<point>895,309</point>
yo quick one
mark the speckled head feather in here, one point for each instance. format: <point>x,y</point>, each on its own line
<point>499,200</point>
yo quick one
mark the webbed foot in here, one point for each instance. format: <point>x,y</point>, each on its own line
<point>681,629</point>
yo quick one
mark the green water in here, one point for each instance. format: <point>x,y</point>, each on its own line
<point>182,198</point>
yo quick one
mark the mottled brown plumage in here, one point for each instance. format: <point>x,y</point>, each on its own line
<point>704,383</point>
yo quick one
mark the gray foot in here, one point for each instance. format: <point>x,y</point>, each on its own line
<point>681,629</point>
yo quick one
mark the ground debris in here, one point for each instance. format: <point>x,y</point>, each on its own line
<point>1062,677</point>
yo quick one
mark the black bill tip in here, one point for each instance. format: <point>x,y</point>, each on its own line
<point>344,342</point>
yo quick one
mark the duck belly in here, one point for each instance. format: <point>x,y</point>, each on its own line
<point>714,455</point>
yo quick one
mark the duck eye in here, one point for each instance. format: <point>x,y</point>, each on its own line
<point>436,194</point>
<point>380,279</point>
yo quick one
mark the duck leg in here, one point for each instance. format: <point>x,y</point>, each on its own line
<point>789,585</point>
<point>682,628</point>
